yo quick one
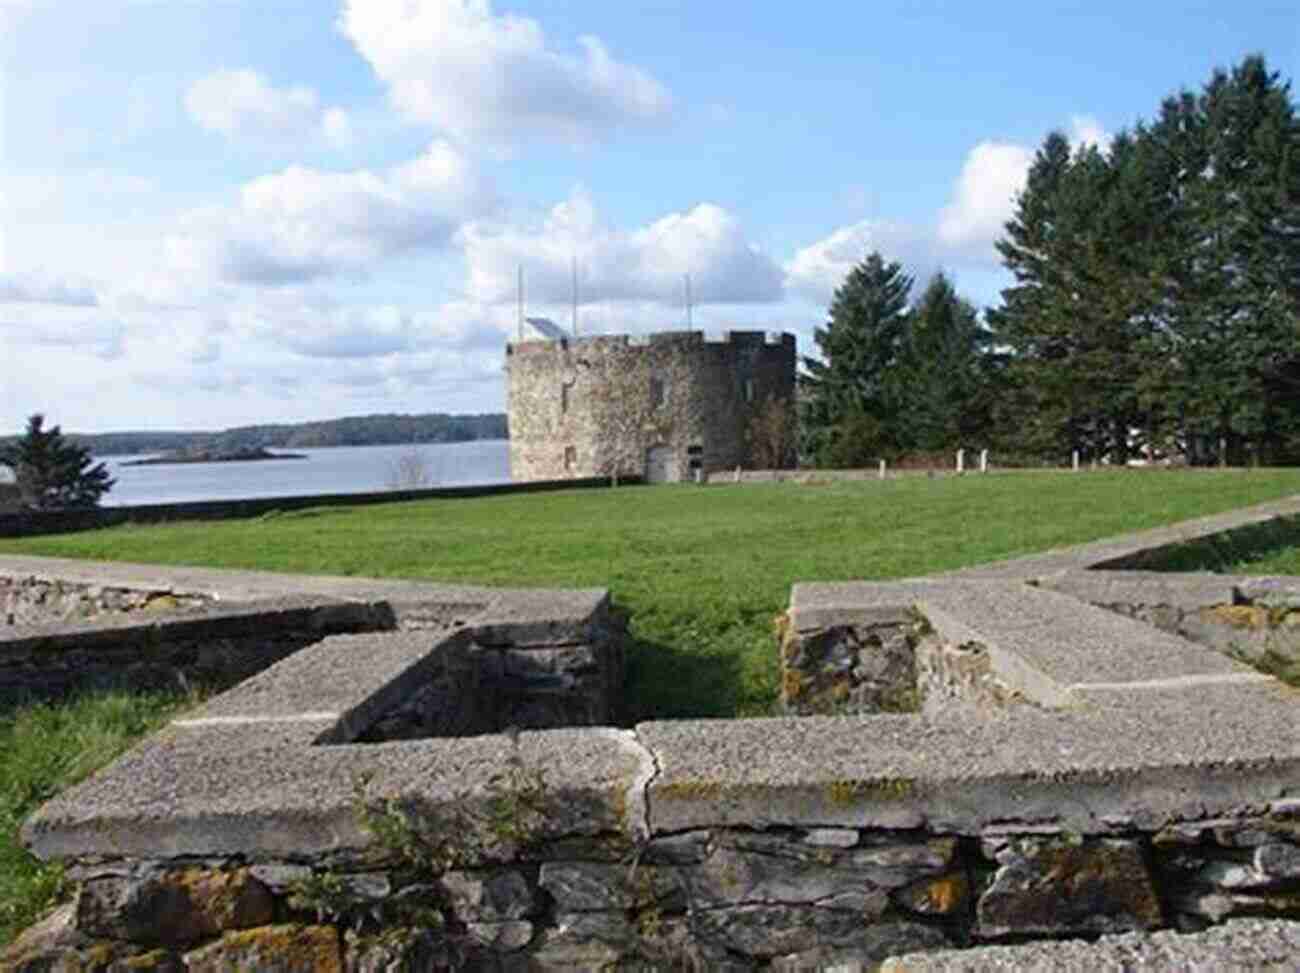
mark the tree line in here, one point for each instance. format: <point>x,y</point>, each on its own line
<point>1155,306</point>
<point>370,430</point>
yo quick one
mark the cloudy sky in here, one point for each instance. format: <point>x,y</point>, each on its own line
<point>216,212</point>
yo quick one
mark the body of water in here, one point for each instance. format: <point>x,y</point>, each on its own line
<point>340,469</point>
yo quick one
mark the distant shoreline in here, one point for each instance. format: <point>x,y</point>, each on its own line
<point>433,428</point>
<point>213,456</point>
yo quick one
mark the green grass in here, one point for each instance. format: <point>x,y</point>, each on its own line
<point>43,749</point>
<point>701,570</point>
<point>1271,547</point>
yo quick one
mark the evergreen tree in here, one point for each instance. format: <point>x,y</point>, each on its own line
<point>1231,239</point>
<point>849,396</point>
<point>1080,319</point>
<point>52,473</point>
<point>945,372</point>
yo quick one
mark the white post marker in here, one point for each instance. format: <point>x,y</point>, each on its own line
<point>1076,461</point>
<point>984,460</point>
<point>882,469</point>
<point>961,461</point>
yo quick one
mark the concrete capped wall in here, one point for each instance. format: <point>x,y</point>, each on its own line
<point>1140,782</point>
<point>595,406</point>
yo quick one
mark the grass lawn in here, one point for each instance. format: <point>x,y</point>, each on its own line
<point>702,571</point>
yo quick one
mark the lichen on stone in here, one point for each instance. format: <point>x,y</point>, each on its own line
<point>885,789</point>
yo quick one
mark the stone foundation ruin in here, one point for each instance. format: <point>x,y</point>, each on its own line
<point>1020,756</point>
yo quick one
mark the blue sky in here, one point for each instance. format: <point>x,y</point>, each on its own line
<point>216,212</point>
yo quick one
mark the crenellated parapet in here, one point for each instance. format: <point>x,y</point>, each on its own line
<point>661,405</point>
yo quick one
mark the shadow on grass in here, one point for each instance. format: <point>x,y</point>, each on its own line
<point>662,682</point>
<point>1224,552</point>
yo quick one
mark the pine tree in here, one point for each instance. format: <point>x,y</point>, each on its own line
<point>944,372</point>
<point>1080,318</point>
<point>848,397</point>
<point>52,473</point>
<point>1231,236</point>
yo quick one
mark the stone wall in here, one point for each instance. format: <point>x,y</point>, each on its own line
<point>1252,618</point>
<point>1249,631</point>
<point>1066,771</point>
<point>489,680</point>
<point>43,601</point>
<point>788,898</point>
<point>588,407</point>
<point>69,637</point>
<point>863,664</point>
<point>166,641</point>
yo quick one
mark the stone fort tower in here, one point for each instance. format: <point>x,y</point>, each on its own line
<point>662,406</point>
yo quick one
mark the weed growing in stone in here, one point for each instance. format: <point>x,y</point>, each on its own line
<point>517,803</point>
<point>323,894</point>
<point>425,842</point>
<point>435,841</point>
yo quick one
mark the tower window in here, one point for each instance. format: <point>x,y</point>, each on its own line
<point>749,390</point>
<point>657,392</point>
<point>570,458</point>
<point>564,399</point>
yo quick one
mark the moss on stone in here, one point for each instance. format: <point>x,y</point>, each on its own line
<point>685,790</point>
<point>855,791</point>
<point>792,685</point>
<point>98,954</point>
<point>938,896</point>
<point>284,948</point>
<point>1241,616</point>
<point>149,961</point>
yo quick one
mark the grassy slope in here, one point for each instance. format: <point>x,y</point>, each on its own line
<point>702,570</point>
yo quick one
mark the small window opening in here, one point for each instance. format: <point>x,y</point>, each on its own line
<point>564,399</point>
<point>657,392</point>
<point>749,390</point>
<point>570,457</point>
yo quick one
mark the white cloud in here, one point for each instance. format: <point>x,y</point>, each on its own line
<point>818,269</point>
<point>72,328</point>
<point>492,79</point>
<point>337,127</point>
<point>316,327</point>
<point>1086,130</point>
<point>991,178</point>
<point>241,104</point>
<point>41,288</point>
<point>300,224</point>
<point>984,198</point>
<point>13,12</point>
<point>645,264</point>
